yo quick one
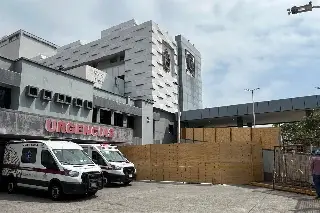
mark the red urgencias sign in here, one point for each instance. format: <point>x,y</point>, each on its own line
<point>52,125</point>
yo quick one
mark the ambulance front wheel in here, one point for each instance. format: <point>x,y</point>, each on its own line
<point>11,185</point>
<point>55,191</point>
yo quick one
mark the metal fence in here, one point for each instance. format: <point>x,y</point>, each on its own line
<point>292,166</point>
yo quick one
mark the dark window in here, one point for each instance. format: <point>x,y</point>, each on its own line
<point>96,157</point>
<point>94,115</point>
<point>105,117</point>
<point>171,129</point>
<point>47,160</point>
<point>121,77</point>
<point>118,119</point>
<point>122,57</point>
<point>113,60</point>
<point>29,155</point>
<point>5,97</point>
<point>130,122</point>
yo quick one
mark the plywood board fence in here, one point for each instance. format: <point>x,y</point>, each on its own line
<point>268,137</point>
<point>229,156</point>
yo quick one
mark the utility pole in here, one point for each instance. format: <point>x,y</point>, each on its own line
<point>252,97</point>
<point>179,117</point>
<point>301,9</point>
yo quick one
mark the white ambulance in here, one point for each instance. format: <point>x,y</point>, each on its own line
<point>59,167</point>
<point>115,167</point>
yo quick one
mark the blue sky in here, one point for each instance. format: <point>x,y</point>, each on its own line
<point>244,43</point>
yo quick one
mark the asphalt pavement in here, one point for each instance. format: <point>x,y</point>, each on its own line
<point>164,197</point>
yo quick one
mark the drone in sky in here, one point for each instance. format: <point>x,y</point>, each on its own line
<point>301,9</point>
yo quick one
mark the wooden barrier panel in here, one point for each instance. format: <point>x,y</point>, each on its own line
<point>226,155</point>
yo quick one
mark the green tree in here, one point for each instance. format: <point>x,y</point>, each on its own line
<point>304,131</point>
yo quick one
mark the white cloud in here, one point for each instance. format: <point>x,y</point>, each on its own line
<point>243,43</point>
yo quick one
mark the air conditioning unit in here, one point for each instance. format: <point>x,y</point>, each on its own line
<point>46,95</point>
<point>88,104</point>
<point>78,102</point>
<point>32,91</point>
<point>59,98</point>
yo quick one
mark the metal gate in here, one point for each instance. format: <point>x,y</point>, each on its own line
<point>292,166</point>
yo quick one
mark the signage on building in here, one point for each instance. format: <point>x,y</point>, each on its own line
<point>59,126</point>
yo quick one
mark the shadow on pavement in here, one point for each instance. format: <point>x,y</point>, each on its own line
<point>116,185</point>
<point>305,203</point>
<point>28,195</point>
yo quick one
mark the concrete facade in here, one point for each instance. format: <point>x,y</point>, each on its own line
<point>133,52</point>
<point>189,61</point>
<point>129,76</point>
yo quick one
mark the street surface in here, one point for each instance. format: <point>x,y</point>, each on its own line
<point>164,197</point>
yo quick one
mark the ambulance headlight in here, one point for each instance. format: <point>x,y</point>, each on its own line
<point>115,167</point>
<point>72,173</point>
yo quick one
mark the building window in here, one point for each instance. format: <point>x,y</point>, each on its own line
<point>170,129</point>
<point>94,115</point>
<point>126,39</point>
<point>118,119</point>
<point>115,38</point>
<point>139,29</point>
<point>130,121</point>
<point>114,48</point>
<point>29,155</point>
<point>113,60</point>
<point>139,40</point>
<point>105,117</point>
<point>5,97</point>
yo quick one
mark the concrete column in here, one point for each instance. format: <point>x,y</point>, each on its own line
<point>112,117</point>
<point>144,124</point>
<point>98,115</point>
<point>125,120</point>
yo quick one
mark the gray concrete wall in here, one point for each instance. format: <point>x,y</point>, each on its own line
<point>6,63</point>
<point>143,125</point>
<point>161,131</point>
<point>30,47</point>
<point>9,48</point>
<point>58,82</point>
<point>190,96</point>
<point>21,124</point>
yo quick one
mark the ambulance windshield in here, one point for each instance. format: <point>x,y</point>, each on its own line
<point>113,155</point>
<point>72,156</point>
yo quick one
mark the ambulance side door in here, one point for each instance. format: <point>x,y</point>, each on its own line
<point>28,164</point>
<point>49,167</point>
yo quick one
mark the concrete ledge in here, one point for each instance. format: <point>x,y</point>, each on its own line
<point>285,188</point>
